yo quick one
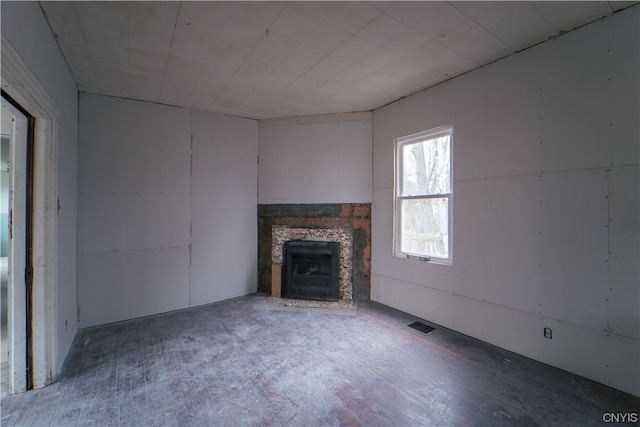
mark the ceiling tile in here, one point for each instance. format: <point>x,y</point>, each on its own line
<point>273,59</point>
<point>128,45</point>
<point>517,24</point>
<point>406,41</point>
<point>474,43</point>
<point>567,15</point>
<point>401,69</point>
<point>203,30</point>
<point>328,38</point>
<point>293,23</point>
<point>382,6</point>
<point>396,78</point>
<point>322,10</point>
<point>473,9</point>
<point>259,14</point>
<point>350,17</point>
<point>207,49</point>
<point>348,78</point>
<point>63,17</point>
<point>327,68</point>
<point>429,18</point>
<point>441,59</point>
<point>378,59</point>
<point>354,49</point>
<point>300,60</point>
<point>105,32</point>
<point>382,30</point>
<point>268,53</point>
<point>413,13</point>
<point>619,5</point>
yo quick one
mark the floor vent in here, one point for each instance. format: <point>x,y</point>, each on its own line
<point>422,327</point>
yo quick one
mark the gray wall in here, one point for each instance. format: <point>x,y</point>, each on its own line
<point>317,159</point>
<point>167,208</point>
<point>25,27</point>
<point>546,217</point>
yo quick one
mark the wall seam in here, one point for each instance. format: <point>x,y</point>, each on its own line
<point>190,205</point>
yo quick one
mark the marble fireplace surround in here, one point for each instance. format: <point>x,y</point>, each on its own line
<point>343,235</point>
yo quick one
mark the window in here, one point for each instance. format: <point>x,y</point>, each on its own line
<point>424,195</point>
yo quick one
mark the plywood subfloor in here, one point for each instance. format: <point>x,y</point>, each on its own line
<point>232,364</point>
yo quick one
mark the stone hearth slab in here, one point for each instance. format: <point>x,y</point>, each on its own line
<point>341,307</point>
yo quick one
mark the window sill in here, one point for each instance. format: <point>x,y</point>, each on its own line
<point>425,259</point>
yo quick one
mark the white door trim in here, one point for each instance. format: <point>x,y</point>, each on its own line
<point>19,82</point>
<point>15,127</point>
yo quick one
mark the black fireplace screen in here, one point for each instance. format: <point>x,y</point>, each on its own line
<point>311,270</point>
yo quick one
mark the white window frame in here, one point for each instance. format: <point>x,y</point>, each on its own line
<point>397,225</point>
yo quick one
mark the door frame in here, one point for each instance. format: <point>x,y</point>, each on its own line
<point>20,84</point>
<point>18,300</point>
<point>20,238</point>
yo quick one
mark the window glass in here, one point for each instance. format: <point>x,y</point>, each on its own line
<point>423,195</point>
<point>426,167</point>
<point>425,227</point>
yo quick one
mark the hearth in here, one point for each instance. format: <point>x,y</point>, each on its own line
<point>311,270</point>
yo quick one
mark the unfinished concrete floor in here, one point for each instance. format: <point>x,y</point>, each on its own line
<point>231,363</point>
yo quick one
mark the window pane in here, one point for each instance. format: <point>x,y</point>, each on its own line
<point>425,227</point>
<point>426,166</point>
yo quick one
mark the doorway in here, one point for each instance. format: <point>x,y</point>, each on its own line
<point>22,85</point>
<point>16,207</point>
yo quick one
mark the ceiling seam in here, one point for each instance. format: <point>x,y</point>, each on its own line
<point>129,86</point>
<point>166,62</point>
<point>555,29</point>
<point>265,34</point>
<point>421,33</point>
<point>55,37</point>
<point>407,26</point>
<point>333,73</point>
<point>84,40</point>
<point>435,40</point>
<point>511,48</point>
<point>325,56</point>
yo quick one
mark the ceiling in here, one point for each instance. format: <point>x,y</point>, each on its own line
<point>281,59</point>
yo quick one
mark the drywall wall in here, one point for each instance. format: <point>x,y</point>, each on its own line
<point>223,207</point>
<point>546,203</point>
<point>167,202</point>
<point>317,159</point>
<point>133,218</point>
<point>25,28</point>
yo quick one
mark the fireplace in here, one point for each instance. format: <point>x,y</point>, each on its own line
<point>311,270</point>
<point>341,235</point>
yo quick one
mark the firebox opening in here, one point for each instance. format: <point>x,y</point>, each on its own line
<point>311,270</point>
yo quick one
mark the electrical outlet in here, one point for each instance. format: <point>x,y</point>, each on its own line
<point>547,333</point>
